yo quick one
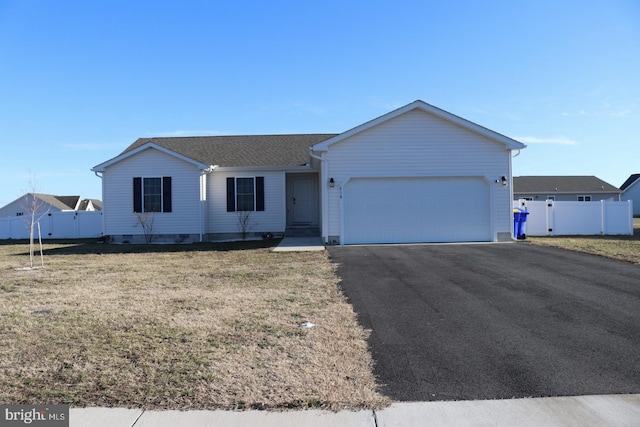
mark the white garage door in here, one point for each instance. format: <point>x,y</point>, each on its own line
<point>408,210</point>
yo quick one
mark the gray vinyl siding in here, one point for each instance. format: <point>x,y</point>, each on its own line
<point>633,193</point>
<point>272,219</point>
<point>12,209</point>
<point>573,197</point>
<point>419,144</point>
<point>119,218</point>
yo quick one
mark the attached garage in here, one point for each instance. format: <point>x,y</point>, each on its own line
<point>417,209</point>
<point>417,174</point>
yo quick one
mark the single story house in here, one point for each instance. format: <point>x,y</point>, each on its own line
<point>564,188</point>
<point>631,191</point>
<point>48,202</point>
<point>416,174</point>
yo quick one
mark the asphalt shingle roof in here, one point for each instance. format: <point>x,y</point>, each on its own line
<point>630,181</point>
<point>561,184</point>
<point>59,202</point>
<point>241,150</point>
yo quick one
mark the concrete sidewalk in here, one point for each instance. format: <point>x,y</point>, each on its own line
<point>604,410</point>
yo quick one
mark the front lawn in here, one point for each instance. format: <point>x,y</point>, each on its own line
<point>624,248</point>
<point>180,327</point>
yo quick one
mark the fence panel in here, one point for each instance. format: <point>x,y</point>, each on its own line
<point>537,224</point>
<point>55,225</point>
<point>89,224</point>
<point>619,218</point>
<point>5,228</point>
<point>14,227</point>
<point>551,218</point>
<point>62,225</point>
<point>574,218</point>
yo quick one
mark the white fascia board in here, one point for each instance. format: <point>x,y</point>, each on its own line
<point>577,192</point>
<point>303,168</point>
<point>630,186</point>
<point>102,166</point>
<point>510,144</point>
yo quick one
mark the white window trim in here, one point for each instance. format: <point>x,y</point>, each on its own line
<point>254,192</point>
<point>144,178</point>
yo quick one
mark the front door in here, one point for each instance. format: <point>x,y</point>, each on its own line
<point>302,200</point>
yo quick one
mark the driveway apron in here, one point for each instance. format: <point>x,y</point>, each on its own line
<point>494,321</point>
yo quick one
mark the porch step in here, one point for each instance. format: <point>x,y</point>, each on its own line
<point>302,232</point>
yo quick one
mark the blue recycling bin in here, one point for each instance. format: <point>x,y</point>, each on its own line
<point>519,219</point>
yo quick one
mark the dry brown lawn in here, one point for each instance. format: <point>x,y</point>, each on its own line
<point>624,248</point>
<point>182,327</point>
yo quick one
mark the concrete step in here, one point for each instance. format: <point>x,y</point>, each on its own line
<point>302,232</point>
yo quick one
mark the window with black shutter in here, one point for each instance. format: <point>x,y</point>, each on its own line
<point>152,194</point>
<point>245,194</point>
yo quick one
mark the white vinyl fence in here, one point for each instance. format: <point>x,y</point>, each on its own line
<point>551,218</point>
<point>55,225</point>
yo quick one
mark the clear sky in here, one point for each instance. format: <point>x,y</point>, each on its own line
<point>81,80</point>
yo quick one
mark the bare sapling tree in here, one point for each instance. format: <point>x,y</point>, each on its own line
<point>146,220</point>
<point>34,209</point>
<point>244,223</point>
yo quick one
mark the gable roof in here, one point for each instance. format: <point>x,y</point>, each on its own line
<point>95,203</point>
<point>631,180</point>
<point>236,150</point>
<point>62,203</point>
<point>561,184</point>
<point>59,202</point>
<point>428,108</point>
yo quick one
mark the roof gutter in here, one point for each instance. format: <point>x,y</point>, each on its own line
<point>313,155</point>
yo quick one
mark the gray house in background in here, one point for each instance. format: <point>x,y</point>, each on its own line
<point>564,188</point>
<point>631,191</point>
<point>49,202</point>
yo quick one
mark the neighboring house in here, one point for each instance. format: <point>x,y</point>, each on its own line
<point>416,174</point>
<point>48,202</point>
<point>631,191</point>
<point>564,188</point>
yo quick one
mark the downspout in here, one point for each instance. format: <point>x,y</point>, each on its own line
<point>514,237</point>
<point>203,197</point>
<point>100,175</point>
<point>323,196</point>
<point>513,156</point>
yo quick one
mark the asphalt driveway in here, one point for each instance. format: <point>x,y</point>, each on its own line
<point>495,321</point>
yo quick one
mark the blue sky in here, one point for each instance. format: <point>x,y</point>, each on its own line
<point>81,80</point>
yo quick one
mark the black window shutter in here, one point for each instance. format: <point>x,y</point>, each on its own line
<point>260,193</point>
<point>166,194</point>
<point>137,194</point>
<point>231,195</point>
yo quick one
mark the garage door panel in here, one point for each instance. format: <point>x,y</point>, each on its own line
<point>405,210</point>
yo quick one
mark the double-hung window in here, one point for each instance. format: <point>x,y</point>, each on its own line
<point>245,194</point>
<point>584,198</point>
<point>152,194</point>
